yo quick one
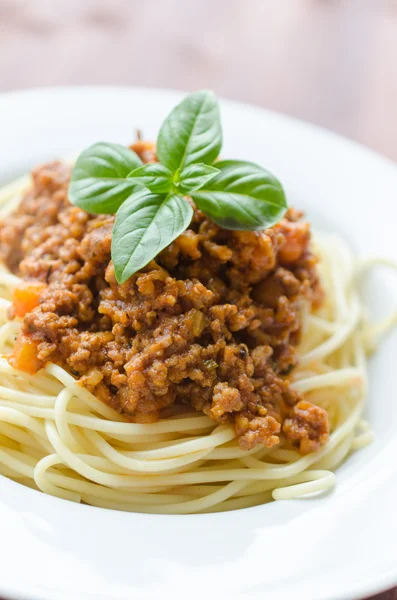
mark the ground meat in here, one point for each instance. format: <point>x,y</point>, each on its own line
<point>307,426</point>
<point>212,323</point>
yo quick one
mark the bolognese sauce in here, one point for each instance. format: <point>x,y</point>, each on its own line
<point>212,323</point>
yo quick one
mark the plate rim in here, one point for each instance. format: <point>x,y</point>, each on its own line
<point>390,576</point>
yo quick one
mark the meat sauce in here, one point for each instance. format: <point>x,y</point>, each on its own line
<point>212,323</point>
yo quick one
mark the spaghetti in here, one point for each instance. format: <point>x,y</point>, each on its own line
<point>55,436</point>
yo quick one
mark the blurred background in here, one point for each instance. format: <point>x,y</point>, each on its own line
<point>331,62</point>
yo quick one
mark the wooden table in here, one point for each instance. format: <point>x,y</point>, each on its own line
<point>331,62</point>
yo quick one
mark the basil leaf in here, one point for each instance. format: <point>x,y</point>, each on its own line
<point>195,176</point>
<point>242,196</point>
<point>145,224</point>
<point>98,183</point>
<point>191,133</point>
<point>154,176</point>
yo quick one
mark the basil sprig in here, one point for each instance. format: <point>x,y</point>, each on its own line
<point>148,199</point>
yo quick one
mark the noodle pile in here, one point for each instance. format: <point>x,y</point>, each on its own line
<point>55,436</point>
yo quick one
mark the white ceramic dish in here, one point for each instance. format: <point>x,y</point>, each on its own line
<point>342,545</point>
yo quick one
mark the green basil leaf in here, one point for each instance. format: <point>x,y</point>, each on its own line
<point>154,176</point>
<point>145,224</point>
<point>99,181</point>
<point>242,196</point>
<point>191,133</point>
<point>195,176</point>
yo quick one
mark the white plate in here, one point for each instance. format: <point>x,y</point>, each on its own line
<point>342,545</point>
